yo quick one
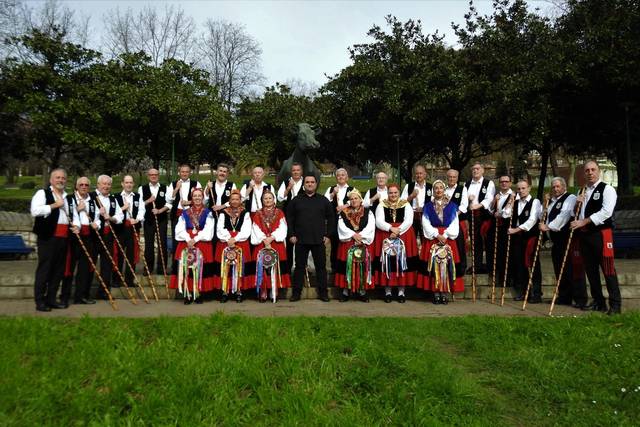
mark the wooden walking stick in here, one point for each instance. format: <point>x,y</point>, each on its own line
<point>473,252</point>
<point>564,258</point>
<point>547,197</point>
<point>93,265</point>
<point>159,239</point>
<point>115,267</point>
<point>506,262</point>
<point>146,266</point>
<point>495,253</point>
<point>126,261</point>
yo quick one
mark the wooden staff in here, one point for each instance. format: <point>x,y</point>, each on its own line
<point>126,260</point>
<point>566,253</point>
<point>506,262</point>
<point>535,256</point>
<point>115,267</point>
<point>93,265</point>
<point>473,252</point>
<point>146,266</point>
<point>159,239</point>
<point>495,254</point>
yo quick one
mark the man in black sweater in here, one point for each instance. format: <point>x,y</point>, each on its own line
<point>311,220</point>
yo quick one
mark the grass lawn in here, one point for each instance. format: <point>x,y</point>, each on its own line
<point>234,370</point>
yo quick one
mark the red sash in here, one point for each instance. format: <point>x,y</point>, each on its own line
<point>607,252</point>
<point>85,230</point>
<point>62,231</point>
<point>529,252</point>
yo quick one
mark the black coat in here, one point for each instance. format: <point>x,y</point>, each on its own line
<point>310,218</point>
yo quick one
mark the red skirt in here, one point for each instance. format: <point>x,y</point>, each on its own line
<point>426,280</point>
<point>248,279</point>
<point>207,268</point>
<point>341,269</point>
<point>285,278</point>
<point>406,278</point>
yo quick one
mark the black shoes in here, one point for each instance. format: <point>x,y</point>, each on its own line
<point>187,301</point>
<point>388,298</point>
<point>294,297</point>
<point>401,299</point>
<point>239,298</point>
<point>84,301</point>
<point>344,298</point>
<point>363,298</point>
<point>324,298</point>
<point>596,306</point>
<point>535,300</point>
<point>444,299</point>
<point>57,306</point>
<point>43,307</point>
<point>519,298</point>
<point>198,300</point>
<point>224,298</point>
<point>614,310</point>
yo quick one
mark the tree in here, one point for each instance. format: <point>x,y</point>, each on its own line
<point>232,58</point>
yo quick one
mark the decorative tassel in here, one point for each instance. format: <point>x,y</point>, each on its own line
<point>442,266</point>
<point>235,266</point>
<point>393,248</point>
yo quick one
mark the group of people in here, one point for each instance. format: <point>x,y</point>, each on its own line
<point>229,241</point>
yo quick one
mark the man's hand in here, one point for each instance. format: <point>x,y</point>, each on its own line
<point>544,227</point>
<point>75,229</point>
<point>57,203</point>
<point>326,240</point>
<point>514,230</point>
<point>150,200</point>
<point>95,226</point>
<point>81,206</point>
<point>293,240</point>
<point>125,207</point>
<point>579,223</point>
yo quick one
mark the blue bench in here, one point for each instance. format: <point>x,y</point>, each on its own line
<point>12,244</point>
<point>626,243</point>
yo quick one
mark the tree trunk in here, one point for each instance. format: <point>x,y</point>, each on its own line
<point>546,152</point>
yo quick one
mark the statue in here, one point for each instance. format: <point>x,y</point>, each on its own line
<point>305,140</point>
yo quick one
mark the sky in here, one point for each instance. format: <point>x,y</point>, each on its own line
<point>302,40</point>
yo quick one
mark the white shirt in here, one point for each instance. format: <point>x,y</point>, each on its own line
<point>342,193</point>
<point>39,206</point>
<point>474,190</point>
<point>256,194</point>
<point>502,208</point>
<point>534,214</point>
<point>368,233</point>
<point>204,235</point>
<point>279,234</point>
<point>243,234</point>
<point>564,215</point>
<point>219,189</point>
<point>83,215</point>
<point>419,200</point>
<point>464,199</point>
<point>106,202</point>
<point>382,192</point>
<point>128,198</point>
<point>431,232</point>
<point>608,203</point>
<point>297,185</point>
<point>183,193</point>
<point>385,226</point>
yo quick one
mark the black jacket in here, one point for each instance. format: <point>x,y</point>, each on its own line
<point>310,218</point>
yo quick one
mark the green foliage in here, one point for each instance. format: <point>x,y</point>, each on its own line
<point>320,371</point>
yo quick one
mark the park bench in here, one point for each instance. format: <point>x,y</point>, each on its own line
<point>626,234</point>
<point>12,245</point>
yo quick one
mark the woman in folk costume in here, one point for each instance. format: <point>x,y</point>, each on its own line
<point>395,248</point>
<point>440,270</point>
<point>356,230</point>
<point>232,249</point>
<point>193,262</point>
<point>268,235</point>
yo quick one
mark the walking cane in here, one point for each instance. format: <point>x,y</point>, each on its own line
<point>564,258</point>
<point>473,252</point>
<point>159,239</point>
<point>506,262</point>
<point>535,256</point>
<point>93,265</point>
<point>115,267</point>
<point>495,253</point>
<point>126,260</point>
<point>146,266</point>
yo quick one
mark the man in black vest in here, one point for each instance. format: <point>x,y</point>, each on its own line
<point>338,196</point>
<point>110,214</point>
<point>524,238</point>
<point>560,213</point>
<point>289,189</point>
<point>154,197</point>
<point>220,190</point>
<point>85,214</point>
<point>252,190</point>
<point>51,213</point>
<point>482,191</point>
<point>457,193</point>
<point>375,195</point>
<point>594,226</point>
<point>310,219</point>
<point>179,197</point>
<point>418,193</point>
<point>501,207</point>
<point>133,216</point>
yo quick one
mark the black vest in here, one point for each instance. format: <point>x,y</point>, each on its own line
<point>249,202</point>
<point>224,198</point>
<point>363,221</point>
<point>161,200</point>
<point>456,197</point>
<point>427,191</point>
<point>483,188</point>
<point>553,213</point>
<point>399,215</point>
<point>73,204</point>
<point>134,209</point>
<point>519,219</point>
<point>227,222</point>
<point>112,208</point>
<point>45,227</point>
<point>174,208</point>
<point>372,192</point>
<point>594,205</point>
<point>345,199</point>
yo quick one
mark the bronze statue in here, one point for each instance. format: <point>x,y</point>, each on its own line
<point>305,140</point>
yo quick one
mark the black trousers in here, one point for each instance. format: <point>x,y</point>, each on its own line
<point>127,240</point>
<point>150,239</point>
<point>571,289</point>
<point>106,267</point>
<point>499,252</point>
<point>480,244</point>
<point>83,274</point>
<point>319,259</point>
<point>520,271</point>
<point>52,253</point>
<point>591,248</point>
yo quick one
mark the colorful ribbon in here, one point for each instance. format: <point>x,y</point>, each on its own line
<point>393,248</point>
<point>190,259</point>
<point>442,266</point>
<point>358,269</point>
<point>236,265</point>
